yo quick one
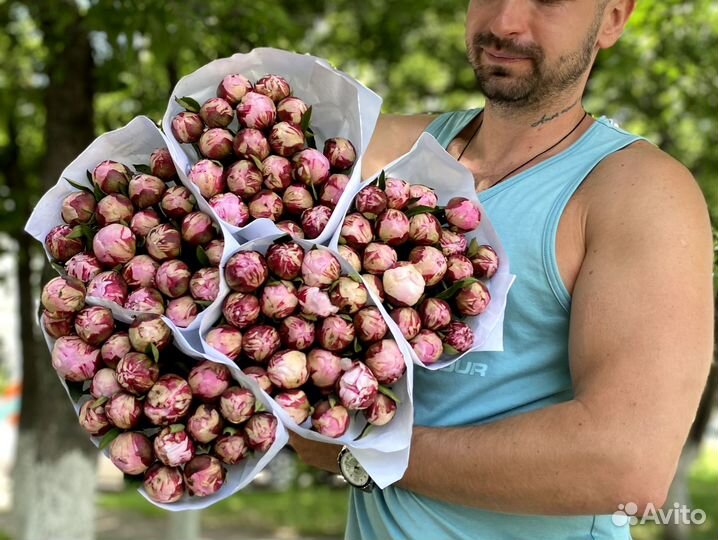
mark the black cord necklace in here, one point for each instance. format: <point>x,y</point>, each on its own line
<point>512,171</point>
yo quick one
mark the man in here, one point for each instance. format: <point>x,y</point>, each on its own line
<point>608,330</point>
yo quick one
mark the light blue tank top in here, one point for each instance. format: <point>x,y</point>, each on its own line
<point>532,371</point>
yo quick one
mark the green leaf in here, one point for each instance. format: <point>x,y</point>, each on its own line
<point>176,428</point>
<point>88,174</point>
<point>99,401</point>
<point>473,248</point>
<point>257,163</point>
<point>451,291</point>
<point>388,392</point>
<point>144,169</point>
<point>448,349</point>
<point>203,303</point>
<point>357,346</point>
<point>155,352</point>
<point>201,255</point>
<point>58,268</point>
<point>381,181</point>
<point>109,437</point>
<point>332,400</point>
<point>188,103</point>
<point>99,194</point>
<point>306,119</point>
<point>78,186</point>
<point>229,430</point>
<point>259,406</point>
<point>314,191</point>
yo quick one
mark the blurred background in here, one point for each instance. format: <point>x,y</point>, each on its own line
<point>73,69</point>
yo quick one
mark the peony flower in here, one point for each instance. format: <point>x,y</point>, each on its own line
<point>233,88</point>
<point>452,243</point>
<point>296,333</point>
<point>385,360</point>
<point>111,177</point>
<point>277,173</point>
<point>145,300</point>
<point>58,323</point>
<point>104,384</point>
<point>140,271</point>
<point>146,190</point>
<point>370,202</point>
<point>397,193</point>
<point>124,410</point>
<point>78,207</point>
<point>427,346</point>
<point>260,343</point>
<point>237,404</point>
<point>216,143</point>
<point>291,109</point>
<point>131,453</point>
<point>197,228</point>
<point>204,285</point>
<point>392,227</point>
<point>94,324</point>
<point>459,337</point>
<point>205,423</point>
<point>163,242</point>
<point>147,331</point>
<point>168,401</point>
<point>330,421</point>
<point>356,231</point>
<point>358,387</point>
<point>288,369</point>
<point>408,321</point>
<point>424,230</point>
<point>422,196</point>
<point>209,379</point>
<point>230,208</point>
<point>63,294</point>
<point>83,266</point>
<point>285,260</point>
<point>144,221</point>
<point>336,334</point>
<point>261,431</point>
<point>462,214</point>
<point>137,372</point>
<point>351,256</point>
<point>116,346</point>
<point>173,447</point>
<point>249,143</point>
<point>266,204</point>
<point>472,299</point>
<point>244,179</point>
<point>256,111</point>
<point>435,314</point>
<point>60,245</point>
<point>485,262</point>
<point>333,189</point>
<point>259,375</point>
<point>378,258</point>
<point>246,271</point>
<point>93,419</point>
<point>458,267</point>
<point>226,340</point>
<point>324,367</point>
<point>108,286</point>
<point>161,164</point>
<point>340,152</point>
<point>297,199</point>
<point>315,220</point>
<point>163,484</point>
<point>315,303</point>
<point>214,250</point>
<point>348,295</point>
<point>369,325</point>
<point>403,285</point>
<point>274,87</point>
<point>374,284</point>
<point>381,411</point>
<point>204,475</point>
<point>430,263</point>
<point>231,449</point>
<point>172,278</point>
<point>216,113</point>
<point>187,127</point>
<point>241,310</point>
<point>286,139</point>
<point>295,403</point>
<point>291,228</point>
<point>310,167</point>
<point>320,268</point>
<point>177,202</point>
<point>208,176</point>
<point>74,360</point>
<point>182,311</point>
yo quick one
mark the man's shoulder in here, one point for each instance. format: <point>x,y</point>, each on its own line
<point>394,135</point>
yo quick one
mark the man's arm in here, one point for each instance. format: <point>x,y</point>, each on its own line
<point>640,349</point>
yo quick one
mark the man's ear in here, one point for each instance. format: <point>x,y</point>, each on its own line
<point>615,17</point>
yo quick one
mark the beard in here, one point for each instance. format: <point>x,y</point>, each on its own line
<point>503,87</point>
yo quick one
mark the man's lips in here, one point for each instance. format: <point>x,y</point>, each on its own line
<point>503,56</point>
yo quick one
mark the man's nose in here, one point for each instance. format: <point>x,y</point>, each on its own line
<point>510,18</point>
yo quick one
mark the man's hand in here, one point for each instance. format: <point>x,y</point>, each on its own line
<point>320,455</point>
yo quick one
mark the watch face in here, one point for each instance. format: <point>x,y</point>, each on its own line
<point>353,471</point>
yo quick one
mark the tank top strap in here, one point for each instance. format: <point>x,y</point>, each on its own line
<point>447,126</point>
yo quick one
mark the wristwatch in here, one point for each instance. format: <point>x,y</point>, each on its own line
<point>353,472</point>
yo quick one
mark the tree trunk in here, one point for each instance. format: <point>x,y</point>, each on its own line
<point>55,467</point>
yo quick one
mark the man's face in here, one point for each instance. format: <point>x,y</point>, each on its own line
<point>526,51</point>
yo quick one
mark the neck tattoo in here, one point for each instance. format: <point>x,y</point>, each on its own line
<point>546,118</point>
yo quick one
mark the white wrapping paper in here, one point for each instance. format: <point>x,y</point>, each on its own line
<point>429,164</point>
<point>383,450</point>
<point>129,145</point>
<point>341,107</point>
<point>238,476</point>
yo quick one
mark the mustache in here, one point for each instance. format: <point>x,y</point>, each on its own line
<point>487,39</point>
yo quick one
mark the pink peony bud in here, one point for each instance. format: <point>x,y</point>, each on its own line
<point>385,360</point>
<point>430,262</point>
<point>209,379</point>
<point>259,374</point>
<point>164,242</point>
<point>114,244</point>
<point>233,88</point>
<point>261,430</point>
<point>108,286</point>
<point>370,202</point>
<point>251,143</point>
<point>58,323</point>
<point>260,343</point>
<point>205,424</point>
<point>214,249</point>
<point>177,202</point>
<point>168,401</point>
<point>173,447</point>
<point>408,321</point>
<point>427,346</point>
<point>333,189</point>
<point>358,387</point>
<point>422,196</point>
<point>459,337</point>
<point>330,421</point>
<point>140,271</point>
<point>216,143</point>
<point>123,410</point>
<point>291,109</point>
<point>462,214</point>
<point>246,271</point>
<point>340,152</point>
<point>59,244</point>
<point>163,484</point>
<point>182,311</point>
<point>392,227</point>
<point>356,231</point>
<point>204,475</point>
<point>231,449</point>
<point>324,367</point>
<point>226,340</point>
<point>285,260</point>
<point>381,411</point>
<point>241,310</point>
<point>351,256</point>
<point>78,207</point>
<point>256,111</point>
<point>236,404</point>
<point>93,419</point>
<point>148,330</point>
<point>397,193</point>
<point>83,266</point>
<point>369,325</point>
<point>315,220</point>
<point>116,346</point>
<point>63,294</point>
<point>348,295</point>
<point>315,302</point>
<point>297,199</point>
<point>485,262</point>
<point>111,177</point>
<point>172,278</point>
<point>216,113</point>
<point>197,228</point>
<point>472,299</point>
<point>208,176</point>
<point>296,333</point>
<point>274,87</point>
<point>336,334</point>
<point>320,268</point>
<point>286,139</point>
<point>277,173</point>
<point>458,268</point>
<point>291,228</point>
<point>378,258</point>
<point>288,369</point>
<point>145,300</point>
<point>146,190</point>
<point>266,204</point>
<point>435,314</point>
<point>403,285</point>
<point>424,230</point>
<point>161,164</point>
<point>204,285</point>
<point>104,384</point>
<point>244,179</point>
<point>131,453</point>
<point>144,221</point>
<point>74,360</point>
<point>374,284</point>
<point>187,127</point>
<point>137,372</point>
<point>310,167</point>
<point>94,324</point>
<point>295,403</point>
<point>452,243</point>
